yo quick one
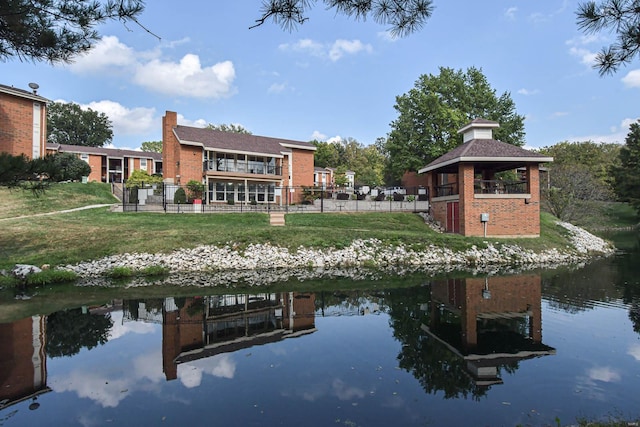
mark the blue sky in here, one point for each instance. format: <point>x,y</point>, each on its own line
<point>334,77</point>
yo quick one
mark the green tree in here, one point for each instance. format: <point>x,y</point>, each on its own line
<point>152,146</point>
<point>67,123</point>
<point>64,167</point>
<point>326,154</point>
<point>228,128</point>
<point>70,331</point>
<point>404,16</point>
<point>57,30</point>
<point>620,17</point>
<point>598,159</point>
<point>627,174</point>
<point>430,115</point>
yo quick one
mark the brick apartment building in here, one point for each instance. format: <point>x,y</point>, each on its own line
<point>23,122</point>
<point>235,167</point>
<point>468,198</point>
<point>111,164</point>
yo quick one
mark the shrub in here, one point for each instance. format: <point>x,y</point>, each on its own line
<point>195,188</point>
<point>380,197</point>
<point>46,277</point>
<point>139,178</point>
<point>342,196</point>
<point>180,196</point>
<point>65,167</point>
<point>411,198</point>
<point>120,272</point>
<point>154,270</point>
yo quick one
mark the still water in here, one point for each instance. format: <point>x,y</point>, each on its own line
<point>537,348</point>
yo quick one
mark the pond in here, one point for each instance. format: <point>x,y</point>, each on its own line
<point>536,348</point>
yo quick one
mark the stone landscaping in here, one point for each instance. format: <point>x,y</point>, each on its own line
<point>265,263</point>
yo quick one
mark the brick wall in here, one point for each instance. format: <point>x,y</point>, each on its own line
<point>302,174</point>
<point>96,168</point>
<point>16,126</point>
<point>190,164</point>
<point>170,147</point>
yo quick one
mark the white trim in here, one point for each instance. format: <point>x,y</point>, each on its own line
<point>246,153</point>
<point>286,145</point>
<point>503,196</point>
<point>477,125</point>
<point>486,159</point>
<point>445,198</point>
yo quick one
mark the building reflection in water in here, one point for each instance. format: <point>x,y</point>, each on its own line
<point>491,322</point>
<point>200,327</point>
<point>23,368</point>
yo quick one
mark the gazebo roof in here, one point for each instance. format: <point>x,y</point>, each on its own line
<point>493,153</point>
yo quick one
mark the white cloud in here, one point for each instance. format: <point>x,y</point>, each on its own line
<point>632,79</point>
<point>336,138</point>
<point>277,88</point>
<point>342,47</point>
<point>510,13</point>
<point>559,114</point>
<point>617,134</point>
<point>318,136</point>
<point>604,374</point>
<point>186,78</point>
<point>333,51</point>
<point>198,123</point>
<point>126,121</point>
<point>108,55</point>
<point>221,366</point>
<point>578,48</point>
<point>634,351</point>
<point>527,92</point>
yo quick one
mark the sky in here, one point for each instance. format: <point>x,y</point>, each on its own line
<point>334,77</point>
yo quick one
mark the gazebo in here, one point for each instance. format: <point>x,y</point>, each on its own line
<point>467,195</point>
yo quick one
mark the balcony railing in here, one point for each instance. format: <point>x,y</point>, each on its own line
<point>494,186</point>
<point>213,166</point>
<point>450,189</point>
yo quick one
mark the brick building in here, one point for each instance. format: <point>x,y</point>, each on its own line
<point>111,164</point>
<point>234,166</point>
<point>467,195</point>
<point>23,122</point>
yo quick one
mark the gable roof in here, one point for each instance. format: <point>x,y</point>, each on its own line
<point>21,93</point>
<point>237,142</point>
<point>102,151</point>
<point>486,150</point>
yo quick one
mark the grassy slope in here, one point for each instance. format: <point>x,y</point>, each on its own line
<point>18,202</point>
<point>92,234</point>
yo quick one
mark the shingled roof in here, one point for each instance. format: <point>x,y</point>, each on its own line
<point>102,151</point>
<point>10,90</point>
<point>486,150</point>
<point>237,142</point>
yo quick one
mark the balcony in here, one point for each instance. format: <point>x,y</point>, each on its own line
<point>496,186</point>
<point>242,169</point>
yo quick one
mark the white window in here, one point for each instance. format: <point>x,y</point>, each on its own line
<point>85,157</point>
<point>143,164</point>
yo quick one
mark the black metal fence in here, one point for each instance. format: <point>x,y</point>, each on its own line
<point>170,198</point>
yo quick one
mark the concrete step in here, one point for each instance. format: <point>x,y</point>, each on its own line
<point>276,218</point>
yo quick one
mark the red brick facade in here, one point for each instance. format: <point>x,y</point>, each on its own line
<point>221,161</point>
<point>23,123</point>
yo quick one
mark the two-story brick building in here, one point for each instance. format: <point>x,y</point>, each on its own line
<point>23,122</point>
<point>111,164</point>
<point>236,167</point>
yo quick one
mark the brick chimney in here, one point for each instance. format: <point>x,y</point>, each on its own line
<point>170,148</point>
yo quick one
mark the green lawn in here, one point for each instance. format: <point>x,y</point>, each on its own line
<point>92,234</point>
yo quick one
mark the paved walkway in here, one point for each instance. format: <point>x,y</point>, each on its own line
<point>59,212</point>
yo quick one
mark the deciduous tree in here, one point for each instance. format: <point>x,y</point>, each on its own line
<point>430,115</point>
<point>228,128</point>
<point>68,123</point>
<point>152,146</point>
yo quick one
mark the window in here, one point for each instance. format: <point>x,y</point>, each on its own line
<point>85,157</point>
<point>143,164</point>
